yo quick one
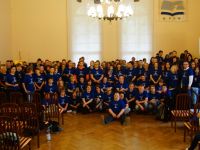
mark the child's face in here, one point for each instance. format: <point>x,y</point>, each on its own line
<point>37,71</point>
<point>89,89</point>
<point>121,96</point>
<point>121,79</point>
<point>51,70</point>
<point>153,90</point>
<point>109,92</point>
<point>50,81</point>
<point>161,83</point>
<point>13,70</point>
<point>141,88</point>
<point>82,80</point>
<point>105,80</point>
<point>164,89</point>
<point>62,93</point>
<point>116,96</point>
<point>131,86</point>
<point>98,90</point>
<point>19,68</point>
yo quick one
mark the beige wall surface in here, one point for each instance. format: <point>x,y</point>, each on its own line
<point>39,29</point>
<point>5,30</point>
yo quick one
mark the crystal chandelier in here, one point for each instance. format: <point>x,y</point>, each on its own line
<point>111,10</point>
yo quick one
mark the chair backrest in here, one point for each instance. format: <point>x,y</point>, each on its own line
<point>52,112</point>
<point>3,97</point>
<point>16,97</point>
<point>183,102</point>
<point>10,109</point>
<point>36,98</point>
<point>9,137</point>
<point>29,116</point>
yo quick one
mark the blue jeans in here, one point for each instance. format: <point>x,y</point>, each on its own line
<point>194,94</point>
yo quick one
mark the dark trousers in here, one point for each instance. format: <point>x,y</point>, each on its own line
<point>194,142</point>
<point>110,118</point>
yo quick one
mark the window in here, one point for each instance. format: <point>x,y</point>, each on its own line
<point>84,32</point>
<point>137,32</point>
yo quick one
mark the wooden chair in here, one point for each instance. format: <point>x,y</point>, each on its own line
<point>16,97</point>
<point>182,109</point>
<point>52,113</point>
<point>192,126</point>
<point>29,117</point>
<point>9,135</point>
<point>10,109</point>
<point>3,97</point>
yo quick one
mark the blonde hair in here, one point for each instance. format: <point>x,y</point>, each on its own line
<point>174,69</point>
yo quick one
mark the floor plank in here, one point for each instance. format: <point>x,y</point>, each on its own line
<point>85,132</point>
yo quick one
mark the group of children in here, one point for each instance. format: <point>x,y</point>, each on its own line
<point>118,87</point>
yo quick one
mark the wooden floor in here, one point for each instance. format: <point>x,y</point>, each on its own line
<point>85,132</point>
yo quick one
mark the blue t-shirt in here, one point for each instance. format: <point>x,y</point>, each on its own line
<point>155,73</point>
<point>54,76</point>
<point>11,79</point>
<point>173,80</point>
<point>19,76</point>
<point>140,71</point>
<point>120,86</point>
<point>144,83</point>
<point>185,76</point>
<point>104,86</point>
<point>2,77</point>
<point>88,96</point>
<point>63,100</point>
<point>50,88</point>
<point>29,84</point>
<point>74,101</point>
<point>97,73</point>
<point>141,96</point>
<point>196,81</point>
<point>71,86</point>
<point>116,106</point>
<point>100,95</point>
<point>108,98</point>
<point>153,96</point>
<point>38,79</point>
<point>130,94</point>
<point>81,72</point>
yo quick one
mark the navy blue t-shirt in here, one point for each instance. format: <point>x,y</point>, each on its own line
<point>54,76</point>
<point>97,73</point>
<point>50,88</point>
<point>38,79</point>
<point>173,80</point>
<point>88,96</point>
<point>155,73</point>
<point>63,100</point>
<point>153,96</point>
<point>130,94</point>
<point>141,96</point>
<point>116,106</point>
<point>120,86</point>
<point>109,98</point>
<point>185,76</point>
<point>29,84</point>
<point>104,86</point>
<point>11,79</point>
<point>2,77</point>
<point>74,101</point>
<point>71,86</point>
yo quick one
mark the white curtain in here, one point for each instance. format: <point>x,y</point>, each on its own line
<point>137,32</point>
<point>84,32</point>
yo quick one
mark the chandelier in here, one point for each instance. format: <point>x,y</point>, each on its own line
<point>110,9</point>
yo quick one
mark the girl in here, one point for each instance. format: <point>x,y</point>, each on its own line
<point>155,74</point>
<point>39,80</point>
<point>63,102</point>
<point>74,102</point>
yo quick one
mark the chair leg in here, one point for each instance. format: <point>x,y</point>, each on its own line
<point>172,119</point>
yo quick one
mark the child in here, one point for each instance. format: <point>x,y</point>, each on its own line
<point>153,99</point>
<point>11,80</point>
<point>130,96</point>
<point>164,104</point>
<point>88,100</point>
<point>126,109</point>
<point>71,85</point>
<point>141,99</point>
<point>159,86</point>
<point>28,84</point>
<point>50,91</point>
<point>63,102</point>
<point>96,74</point>
<point>155,74</point>
<point>99,98</point>
<point>116,110</point>
<point>81,86</point>
<point>121,86</point>
<point>39,80</point>
<point>105,85</point>
<point>3,71</point>
<point>108,98</point>
<point>74,102</point>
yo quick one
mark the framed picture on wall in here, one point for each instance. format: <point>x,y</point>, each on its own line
<point>173,10</point>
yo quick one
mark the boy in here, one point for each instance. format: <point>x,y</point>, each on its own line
<point>28,84</point>
<point>116,110</point>
<point>99,98</point>
<point>96,74</point>
<point>141,99</point>
<point>122,98</point>
<point>88,100</point>
<point>108,98</point>
<point>121,86</point>
<point>153,99</point>
<point>74,102</point>
<point>130,96</point>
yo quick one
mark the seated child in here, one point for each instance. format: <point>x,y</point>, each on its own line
<point>108,98</point>
<point>126,109</point>
<point>99,98</point>
<point>63,101</point>
<point>141,99</point>
<point>153,99</point>
<point>74,102</point>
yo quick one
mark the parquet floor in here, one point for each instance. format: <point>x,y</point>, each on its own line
<point>85,132</point>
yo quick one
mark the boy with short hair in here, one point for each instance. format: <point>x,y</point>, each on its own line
<point>141,99</point>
